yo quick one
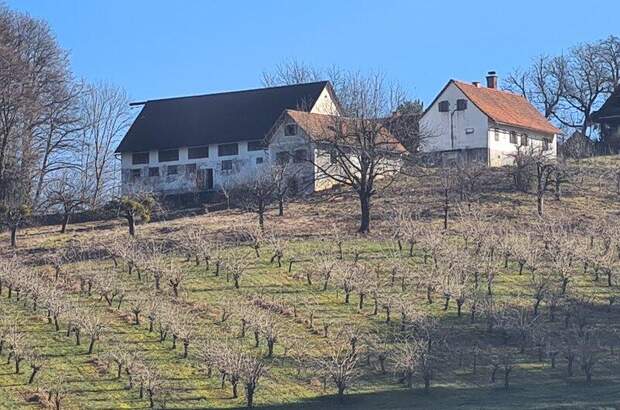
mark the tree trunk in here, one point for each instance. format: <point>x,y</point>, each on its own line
<point>132,224</point>
<point>540,203</point>
<point>249,396</point>
<point>33,374</point>
<point>65,222</point>
<point>91,345</point>
<point>13,236</point>
<point>365,216</point>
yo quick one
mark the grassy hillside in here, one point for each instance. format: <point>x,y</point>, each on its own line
<point>309,227</point>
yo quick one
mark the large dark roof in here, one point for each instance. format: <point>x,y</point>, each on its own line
<point>215,118</point>
<point>609,109</point>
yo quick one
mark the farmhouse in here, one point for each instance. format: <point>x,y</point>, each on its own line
<point>470,122</point>
<point>200,143</point>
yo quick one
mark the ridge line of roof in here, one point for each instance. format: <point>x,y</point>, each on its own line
<point>229,92</point>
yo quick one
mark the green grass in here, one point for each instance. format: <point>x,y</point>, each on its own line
<point>533,384</point>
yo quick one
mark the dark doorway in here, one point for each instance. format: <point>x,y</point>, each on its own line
<point>204,179</point>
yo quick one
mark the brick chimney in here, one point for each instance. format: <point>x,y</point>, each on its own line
<point>476,84</point>
<point>492,79</point>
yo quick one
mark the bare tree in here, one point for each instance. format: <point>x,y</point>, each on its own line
<point>255,192</point>
<point>106,117</point>
<point>358,148</point>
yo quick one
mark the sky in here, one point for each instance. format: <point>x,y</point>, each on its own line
<point>157,49</point>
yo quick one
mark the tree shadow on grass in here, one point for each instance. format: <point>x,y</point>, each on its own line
<point>521,396</point>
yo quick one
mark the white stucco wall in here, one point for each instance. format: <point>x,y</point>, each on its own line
<point>500,150</point>
<point>182,182</point>
<point>437,124</point>
<point>325,104</point>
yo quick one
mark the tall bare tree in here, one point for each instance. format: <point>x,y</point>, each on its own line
<point>105,117</point>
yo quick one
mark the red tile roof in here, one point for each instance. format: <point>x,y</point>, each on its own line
<point>507,108</point>
<point>322,128</point>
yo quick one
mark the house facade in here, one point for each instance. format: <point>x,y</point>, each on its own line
<point>470,122</point>
<point>203,143</point>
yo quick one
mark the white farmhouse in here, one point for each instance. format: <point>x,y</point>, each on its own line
<point>469,122</point>
<point>200,143</point>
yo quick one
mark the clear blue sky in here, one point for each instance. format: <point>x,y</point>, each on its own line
<point>168,48</point>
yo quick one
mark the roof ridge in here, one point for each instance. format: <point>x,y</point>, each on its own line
<point>230,92</point>
<point>487,88</point>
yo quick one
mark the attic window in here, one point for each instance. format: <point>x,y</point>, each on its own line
<point>224,150</point>
<point>461,104</point>
<point>256,145</point>
<point>444,106</point>
<point>168,155</point>
<point>290,130</point>
<point>138,158</point>
<point>198,152</point>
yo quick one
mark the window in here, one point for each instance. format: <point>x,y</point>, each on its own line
<point>256,145</point>
<point>444,106</point>
<point>173,170</point>
<point>190,169</point>
<point>300,156</point>
<point>545,143</point>
<point>496,134</point>
<point>224,150</point>
<point>227,165</point>
<point>154,171</point>
<point>461,104</point>
<point>290,129</point>
<point>135,174</point>
<point>333,158</point>
<point>513,137</point>
<point>168,155</point>
<point>282,157</point>
<point>198,152</point>
<point>139,158</point>
<point>524,140</point>
<point>259,160</point>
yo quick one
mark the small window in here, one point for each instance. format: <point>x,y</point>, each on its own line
<point>461,104</point>
<point>256,145</point>
<point>198,152</point>
<point>135,174</point>
<point>444,106</point>
<point>173,170</point>
<point>224,150</point>
<point>154,171</point>
<point>333,158</point>
<point>496,134</point>
<point>524,140</point>
<point>140,158</point>
<point>190,169</point>
<point>300,156</point>
<point>546,145</point>
<point>513,137</point>
<point>168,155</point>
<point>259,160</point>
<point>282,157</point>
<point>290,130</point>
<point>227,165</point>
